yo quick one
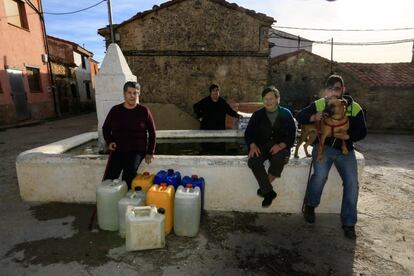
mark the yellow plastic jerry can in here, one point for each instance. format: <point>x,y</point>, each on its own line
<point>162,196</point>
<point>144,180</point>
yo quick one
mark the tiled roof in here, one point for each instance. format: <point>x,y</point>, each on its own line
<point>283,57</point>
<point>74,45</point>
<point>382,74</point>
<point>224,3</point>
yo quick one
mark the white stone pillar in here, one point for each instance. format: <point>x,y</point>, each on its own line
<point>112,76</point>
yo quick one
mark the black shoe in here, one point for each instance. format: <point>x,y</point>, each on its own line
<point>309,214</point>
<point>259,193</point>
<point>268,198</point>
<point>349,232</point>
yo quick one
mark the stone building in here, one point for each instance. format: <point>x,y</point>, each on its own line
<point>179,48</point>
<point>385,91</point>
<point>299,76</point>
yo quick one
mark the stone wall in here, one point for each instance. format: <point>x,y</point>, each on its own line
<point>179,50</point>
<point>387,108</point>
<point>185,80</point>
<point>189,26</point>
<point>299,78</point>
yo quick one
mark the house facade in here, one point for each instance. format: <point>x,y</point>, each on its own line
<point>25,85</point>
<point>178,49</point>
<point>73,71</point>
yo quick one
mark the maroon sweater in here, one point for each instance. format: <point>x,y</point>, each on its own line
<point>130,129</point>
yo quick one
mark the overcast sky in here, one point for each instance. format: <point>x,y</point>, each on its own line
<point>341,14</point>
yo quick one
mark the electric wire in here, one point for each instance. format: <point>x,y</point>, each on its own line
<point>344,30</point>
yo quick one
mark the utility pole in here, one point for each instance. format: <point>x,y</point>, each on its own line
<point>331,55</point>
<point>111,28</point>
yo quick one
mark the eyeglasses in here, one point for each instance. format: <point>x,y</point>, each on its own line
<point>335,88</point>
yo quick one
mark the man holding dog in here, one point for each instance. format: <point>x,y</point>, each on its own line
<point>346,164</point>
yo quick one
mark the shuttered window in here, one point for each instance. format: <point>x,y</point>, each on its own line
<point>16,13</point>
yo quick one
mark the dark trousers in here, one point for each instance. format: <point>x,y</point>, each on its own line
<point>277,162</point>
<point>127,162</point>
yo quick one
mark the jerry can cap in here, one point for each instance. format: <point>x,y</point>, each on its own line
<point>161,211</point>
<point>189,185</point>
<point>137,188</point>
<point>146,173</point>
<point>194,176</point>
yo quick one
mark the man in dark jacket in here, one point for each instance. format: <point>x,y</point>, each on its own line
<point>129,132</point>
<point>332,154</point>
<point>269,136</point>
<point>212,110</point>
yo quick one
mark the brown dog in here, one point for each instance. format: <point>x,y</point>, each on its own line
<point>337,123</point>
<point>308,135</point>
<point>330,124</point>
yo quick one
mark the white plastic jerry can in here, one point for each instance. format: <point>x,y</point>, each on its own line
<point>144,228</point>
<point>133,198</point>
<point>187,210</point>
<point>108,193</point>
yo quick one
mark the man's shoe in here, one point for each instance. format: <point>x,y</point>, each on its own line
<point>268,198</point>
<point>259,193</point>
<point>349,232</point>
<point>309,214</point>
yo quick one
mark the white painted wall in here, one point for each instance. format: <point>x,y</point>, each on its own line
<point>82,75</point>
<point>286,45</point>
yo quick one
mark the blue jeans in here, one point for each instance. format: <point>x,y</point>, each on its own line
<point>347,169</point>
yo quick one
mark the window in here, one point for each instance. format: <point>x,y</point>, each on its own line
<point>88,90</point>
<point>288,77</point>
<point>73,91</point>
<point>16,13</point>
<point>33,76</point>
<point>83,62</point>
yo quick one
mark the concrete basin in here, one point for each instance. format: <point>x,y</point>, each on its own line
<point>48,174</point>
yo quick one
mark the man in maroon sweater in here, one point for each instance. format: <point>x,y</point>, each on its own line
<point>129,132</point>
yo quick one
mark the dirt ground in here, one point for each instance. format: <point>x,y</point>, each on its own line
<point>53,238</point>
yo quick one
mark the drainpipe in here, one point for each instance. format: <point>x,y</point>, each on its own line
<point>52,81</point>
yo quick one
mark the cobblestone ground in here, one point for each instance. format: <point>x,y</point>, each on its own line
<point>52,238</point>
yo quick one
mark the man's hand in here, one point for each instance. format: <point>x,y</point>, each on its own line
<point>112,146</point>
<point>254,150</point>
<point>149,158</point>
<point>317,117</point>
<point>275,149</point>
